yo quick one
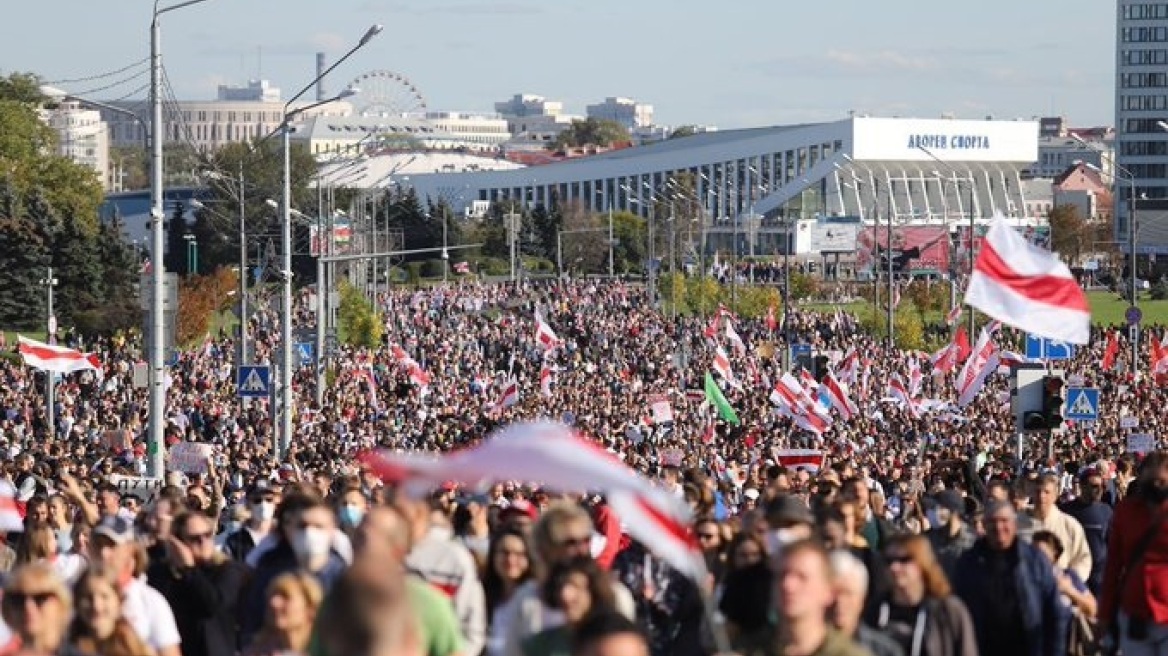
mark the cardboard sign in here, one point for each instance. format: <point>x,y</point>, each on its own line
<point>1140,443</point>
<point>143,487</point>
<point>672,457</point>
<point>1129,422</point>
<point>662,411</point>
<point>116,440</point>
<point>190,457</point>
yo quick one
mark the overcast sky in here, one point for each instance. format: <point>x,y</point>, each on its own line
<point>734,63</point>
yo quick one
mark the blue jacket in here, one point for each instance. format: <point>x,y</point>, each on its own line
<point>280,560</point>
<point>1044,616</point>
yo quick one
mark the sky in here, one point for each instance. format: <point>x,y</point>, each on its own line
<point>734,63</point>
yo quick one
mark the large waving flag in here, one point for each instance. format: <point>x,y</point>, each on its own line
<point>1027,287</point>
<point>554,454</point>
<point>56,359</point>
<point>837,395</point>
<point>981,364</point>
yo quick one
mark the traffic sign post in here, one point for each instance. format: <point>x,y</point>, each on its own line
<point>1083,403</point>
<point>254,381</point>
<point>1041,348</point>
<point>1134,316</point>
<point>307,353</point>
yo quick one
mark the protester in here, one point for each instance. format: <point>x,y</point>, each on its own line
<point>803,596</point>
<point>98,626</point>
<point>36,606</point>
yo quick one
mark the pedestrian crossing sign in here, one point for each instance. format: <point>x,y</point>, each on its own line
<point>1082,403</point>
<point>253,381</point>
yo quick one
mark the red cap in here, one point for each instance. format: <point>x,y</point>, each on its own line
<point>521,507</point>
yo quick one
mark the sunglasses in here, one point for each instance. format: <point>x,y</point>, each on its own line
<point>708,536</point>
<point>198,538</point>
<point>898,559</point>
<point>19,598</point>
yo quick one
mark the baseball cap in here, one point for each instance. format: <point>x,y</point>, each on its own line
<point>116,528</point>
<point>951,501</point>
<point>786,509</point>
<point>750,493</point>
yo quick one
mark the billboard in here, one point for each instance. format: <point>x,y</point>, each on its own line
<point>914,248</point>
<point>342,236</point>
<point>834,237</point>
<point>900,139</point>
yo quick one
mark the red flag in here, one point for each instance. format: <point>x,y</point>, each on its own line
<point>961,341</point>
<point>1111,351</point>
<point>771,323</point>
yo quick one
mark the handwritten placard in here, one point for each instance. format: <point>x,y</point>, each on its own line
<point>190,457</point>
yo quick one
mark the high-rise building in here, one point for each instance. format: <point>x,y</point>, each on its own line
<point>82,137</point>
<point>1141,105</point>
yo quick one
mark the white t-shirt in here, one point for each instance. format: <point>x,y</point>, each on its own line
<point>149,613</point>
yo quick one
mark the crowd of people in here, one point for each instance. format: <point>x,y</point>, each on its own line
<point>911,526</point>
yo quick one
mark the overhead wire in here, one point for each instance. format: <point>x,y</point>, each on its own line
<point>112,85</point>
<point>99,76</point>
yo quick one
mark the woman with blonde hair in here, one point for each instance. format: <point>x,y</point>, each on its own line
<point>293,600</point>
<point>36,607</point>
<point>920,612</point>
<point>98,626</point>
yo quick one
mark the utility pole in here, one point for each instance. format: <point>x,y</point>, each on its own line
<point>888,254</point>
<point>243,321</point>
<point>49,282</point>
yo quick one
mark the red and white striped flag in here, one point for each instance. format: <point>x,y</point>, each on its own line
<point>545,380</point>
<point>953,315</point>
<point>898,391</point>
<point>544,334</point>
<point>10,519</point>
<point>915,377</point>
<point>980,365</point>
<point>1028,287</point>
<point>462,267</point>
<point>771,322</point>
<point>810,459</point>
<point>371,383</point>
<point>722,365</point>
<point>510,395</point>
<point>735,340</point>
<point>1111,352</point>
<point>554,454</point>
<point>837,393</point>
<point>56,359</point>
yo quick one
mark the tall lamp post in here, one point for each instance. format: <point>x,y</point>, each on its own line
<point>283,434</point>
<point>957,182</point>
<point>49,282</point>
<point>156,433</point>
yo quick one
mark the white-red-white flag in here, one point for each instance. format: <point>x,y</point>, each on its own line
<point>810,459</point>
<point>462,267</point>
<point>56,359</point>
<point>1028,287</point>
<point>900,392</point>
<point>953,315</point>
<point>980,365</point>
<point>510,395</point>
<point>544,335</point>
<point>735,339</point>
<point>837,393</point>
<point>722,366</point>
<point>545,380</point>
<point>554,454</point>
<point>10,520</point>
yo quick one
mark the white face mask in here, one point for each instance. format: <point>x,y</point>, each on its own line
<point>779,538</point>
<point>311,543</point>
<point>264,510</point>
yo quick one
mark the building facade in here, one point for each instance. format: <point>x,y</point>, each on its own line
<point>626,111</point>
<point>1056,154</point>
<point>1141,106</point>
<point>83,137</point>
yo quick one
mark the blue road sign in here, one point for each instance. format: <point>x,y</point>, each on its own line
<point>800,350</point>
<point>1040,348</point>
<point>254,381</point>
<point>1133,316</point>
<point>1082,403</point>
<point>307,353</point>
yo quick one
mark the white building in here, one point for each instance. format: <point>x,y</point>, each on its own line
<point>82,137</point>
<point>533,121</point>
<point>210,124</point>
<point>1141,103</point>
<point>626,111</point>
<point>351,135</point>
<point>523,105</point>
<point>1057,154</point>
<point>255,91</point>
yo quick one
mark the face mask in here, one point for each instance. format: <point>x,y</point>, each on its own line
<point>351,515</point>
<point>934,517</point>
<point>780,538</point>
<point>311,543</point>
<point>232,526</point>
<point>264,510</point>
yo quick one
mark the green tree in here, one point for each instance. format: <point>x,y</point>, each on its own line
<point>119,274</point>
<point>358,323</point>
<point>590,132</point>
<point>630,231</point>
<point>25,255</point>
<point>704,294</point>
<point>910,330</point>
<point>1069,232</point>
<point>684,131</point>
<point>176,241</point>
<point>77,265</point>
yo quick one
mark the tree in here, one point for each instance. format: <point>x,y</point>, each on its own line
<point>25,254</point>
<point>199,298</point>
<point>630,231</point>
<point>582,251</point>
<point>358,322</point>
<point>590,132</point>
<point>684,131</point>
<point>176,241</point>
<point>1069,232</point>
<point>77,265</point>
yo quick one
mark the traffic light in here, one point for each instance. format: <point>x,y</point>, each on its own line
<point>1052,401</point>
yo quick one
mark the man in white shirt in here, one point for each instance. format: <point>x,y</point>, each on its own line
<point>113,545</point>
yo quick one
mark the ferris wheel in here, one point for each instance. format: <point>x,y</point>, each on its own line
<point>385,93</point>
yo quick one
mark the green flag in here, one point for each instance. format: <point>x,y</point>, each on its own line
<point>714,396</point>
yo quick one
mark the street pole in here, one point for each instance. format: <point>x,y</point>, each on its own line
<point>610,239</point>
<point>560,252</point>
<point>1131,247</point>
<point>243,321</point>
<point>652,251</point>
<point>51,337</point>
<point>888,255</point>
<point>787,291</point>
<point>322,291</point>
<point>283,433</point>
<point>972,229</point>
<point>156,464</point>
<point>445,252</point>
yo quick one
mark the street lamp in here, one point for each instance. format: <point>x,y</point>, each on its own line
<point>49,282</point>
<point>192,253</point>
<point>156,434</point>
<point>957,182</point>
<point>283,432</point>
